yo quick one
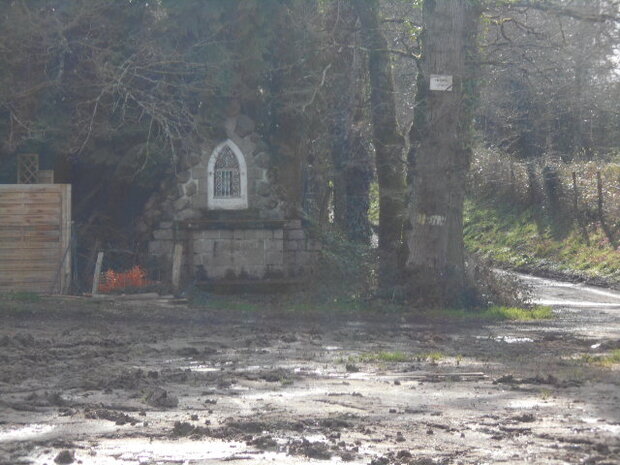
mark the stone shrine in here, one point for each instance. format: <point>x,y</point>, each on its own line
<point>226,210</point>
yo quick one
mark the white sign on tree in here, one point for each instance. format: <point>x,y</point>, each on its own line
<point>441,82</point>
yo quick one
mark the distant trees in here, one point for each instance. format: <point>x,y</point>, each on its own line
<point>122,91</point>
<point>551,82</point>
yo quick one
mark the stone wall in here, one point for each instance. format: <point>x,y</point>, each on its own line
<point>300,251</point>
<point>237,253</point>
<point>280,250</point>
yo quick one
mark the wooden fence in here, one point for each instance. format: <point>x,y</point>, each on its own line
<point>35,237</point>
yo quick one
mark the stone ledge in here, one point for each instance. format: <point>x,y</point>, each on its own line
<point>231,224</point>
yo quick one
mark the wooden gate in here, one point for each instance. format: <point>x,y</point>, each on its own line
<point>35,237</point>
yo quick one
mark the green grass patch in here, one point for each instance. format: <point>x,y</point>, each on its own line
<point>233,303</point>
<point>339,305</point>
<point>603,360</point>
<point>20,296</point>
<point>520,314</point>
<point>493,314</point>
<point>286,303</point>
<point>393,357</point>
<point>515,237</point>
<point>352,307</point>
<point>433,357</point>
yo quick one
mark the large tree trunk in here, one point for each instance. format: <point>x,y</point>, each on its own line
<point>352,165</point>
<point>388,142</point>
<point>287,120</point>
<point>441,151</point>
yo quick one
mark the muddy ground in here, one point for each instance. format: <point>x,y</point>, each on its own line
<point>93,382</point>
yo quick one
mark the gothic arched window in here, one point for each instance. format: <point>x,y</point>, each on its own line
<point>227,182</point>
<point>227,178</point>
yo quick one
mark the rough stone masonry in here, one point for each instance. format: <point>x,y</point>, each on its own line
<point>256,242</point>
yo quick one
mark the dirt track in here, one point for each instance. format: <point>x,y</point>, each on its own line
<point>110,383</point>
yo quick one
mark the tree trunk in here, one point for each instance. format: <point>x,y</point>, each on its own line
<point>358,176</point>
<point>388,142</point>
<point>352,165</point>
<point>440,152</point>
<point>287,123</point>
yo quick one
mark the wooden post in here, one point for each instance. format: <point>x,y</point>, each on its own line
<point>601,212</point>
<point>578,216</point>
<point>97,274</point>
<point>177,257</point>
<point>92,259</point>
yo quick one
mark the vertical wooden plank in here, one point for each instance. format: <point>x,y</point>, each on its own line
<point>59,279</point>
<point>601,212</point>
<point>97,274</point>
<point>177,257</point>
<point>65,224</point>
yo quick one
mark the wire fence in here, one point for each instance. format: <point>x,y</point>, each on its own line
<point>584,192</point>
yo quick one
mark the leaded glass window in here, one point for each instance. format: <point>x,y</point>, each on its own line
<point>227,177</point>
<point>227,187</point>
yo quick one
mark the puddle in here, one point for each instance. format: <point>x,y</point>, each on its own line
<point>253,368</point>
<point>186,452</point>
<point>506,339</point>
<point>513,339</point>
<point>356,324</point>
<point>358,376</point>
<point>597,424</point>
<point>25,433</point>
<point>200,368</point>
<point>287,394</point>
<point>309,371</point>
<point>62,429</point>
<point>204,368</point>
<point>526,404</point>
<point>145,451</point>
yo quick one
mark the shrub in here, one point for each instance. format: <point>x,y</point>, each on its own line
<point>345,268</point>
<point>490,287</point>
